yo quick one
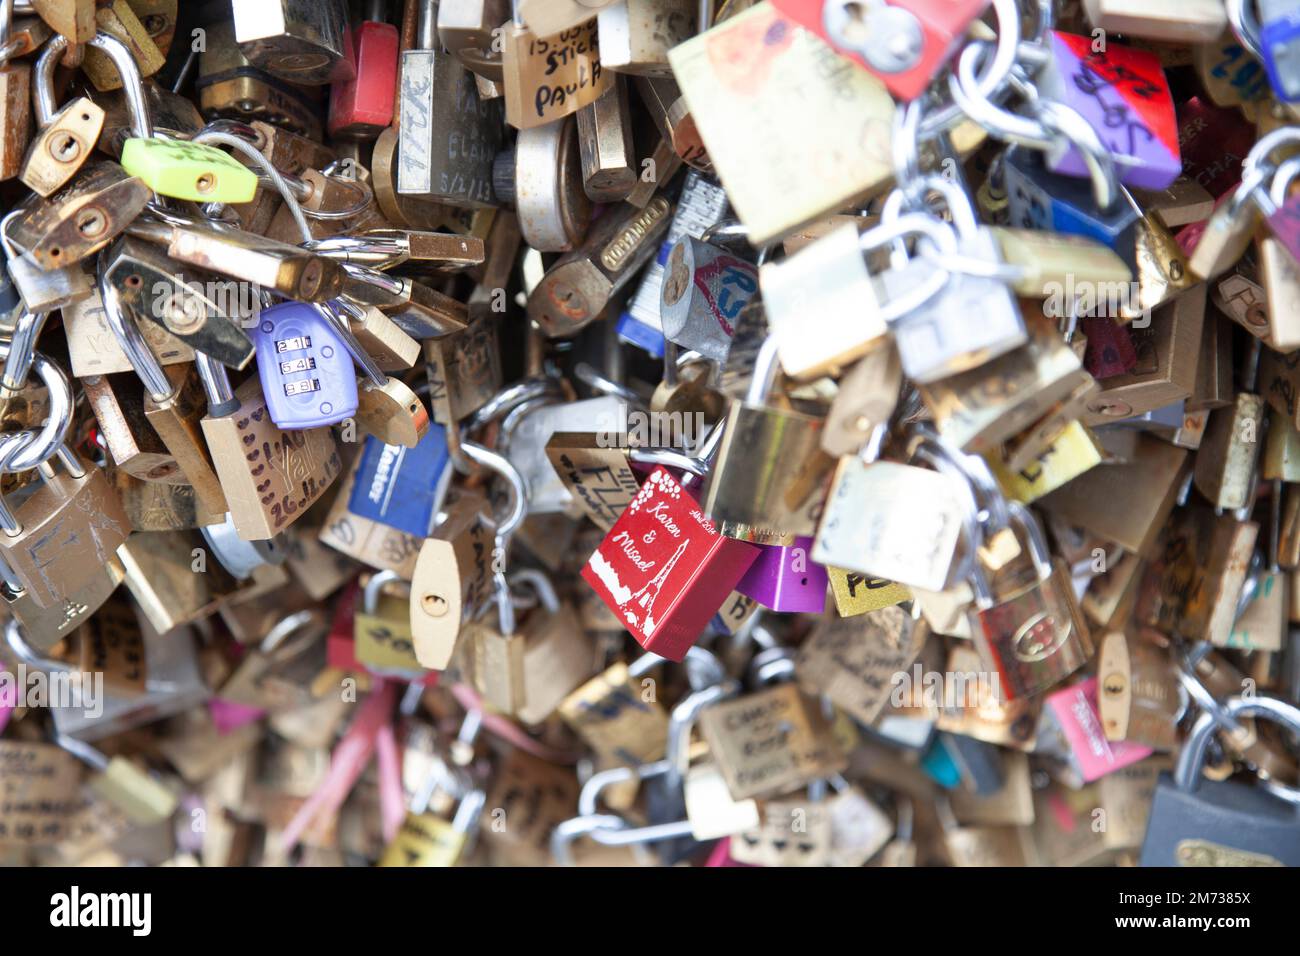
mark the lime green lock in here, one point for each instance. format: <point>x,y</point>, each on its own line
<point>189,170</point>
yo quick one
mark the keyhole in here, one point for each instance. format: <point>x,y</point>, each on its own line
<point>206,183</point>
<point>65,148</point>
<point>434,605</point>
<point>91,223</point>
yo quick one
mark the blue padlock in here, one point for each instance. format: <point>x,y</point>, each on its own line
<point>1040,199</point>
<point>306,371</point>
<point>403,487</point>
<point>1279,43</point>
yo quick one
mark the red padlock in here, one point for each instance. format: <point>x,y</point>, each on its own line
<point>903,42</point>
<point>362,108</point>
<point>663,569</point>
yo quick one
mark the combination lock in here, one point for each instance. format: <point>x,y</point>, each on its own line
<point>306,372</point>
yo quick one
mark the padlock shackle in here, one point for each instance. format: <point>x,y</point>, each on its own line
<point>518,506</point>
<point>1032,531</point>
<point>16,641</point>
<point>45,104</point>
<point>680,722</point>
<point>503,401</point>
<point>567,831</point>
<point>1283,177</point>
<point>54,431</point>
<point>592,378</point>
<point>1191,759</point>
<point>241,145</point>
<point>127,333</point>
<point>92,756</point>
<point>375,586</point>
<point>599,782</point>
<point>309,624</point>
<point>216,383</point>
<point>540,583</point>
<point>1245,26</point>
<point>132,83</point>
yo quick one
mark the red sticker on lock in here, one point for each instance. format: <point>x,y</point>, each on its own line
<point>904,42</point>
<point>663,569</point>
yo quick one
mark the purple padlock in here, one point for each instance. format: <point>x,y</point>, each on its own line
<point>1123,94</point>
<point>306,370</point>
<point>785,578</point>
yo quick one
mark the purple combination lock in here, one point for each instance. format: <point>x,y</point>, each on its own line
<point>1123,94</point>
<point>785,578</point>
<point>306,370</point>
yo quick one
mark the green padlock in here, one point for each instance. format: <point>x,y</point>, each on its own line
<point>192,171</point>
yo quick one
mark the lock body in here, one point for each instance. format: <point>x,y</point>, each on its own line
<point>307,374</point>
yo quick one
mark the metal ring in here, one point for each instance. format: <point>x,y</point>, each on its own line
<point>54,431</point>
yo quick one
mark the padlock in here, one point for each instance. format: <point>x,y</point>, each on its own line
<point>1123,94</point>
<point>903,42</point>
<point>190,171</point>
<point>382,628</point>
<point>74,20</point>
<point>273,675</point>
<point>305,43</point>
<point>81,218</point>
<point>1071,453</point>
<point>542,177</point>
<point>467,29</point>
<point>893,521</point>
<point>152,286</point>
<point>118,21</point>
<point>1139,696</point>
<point>67,136</point>
<point>856,661</point>
<point>524,440</point>
<point>1110,349</point>
<point>40,540</point>
<point>242,559</point>
<point>1196,22</point>
<point>1166,363</point>
<point>270,477</point>
<point>550,76</point>
<point>450,581</point>
<point>449,135</point>
<point>172,403</point>
<point>1197,822</point>
<point>42,290</point>
<point>704,291</point>
<point>700,205</point>
<point>400,487</point>
<point>930,343</point>
<point>636,35</point>
<point>15,114</point>
<point>609,169</point>
<point>581,283</point>
<point>139,796</point>
<point>528,671</point>
<point>1226,461</point>
<point>666,612</point>
<point>1040,199</point>
<point>979,409</point>
<point>229,85</point>
<point>770,742</point>
<point>1279,25</point>
<point>595,471</point>
<point>363,106</point>
<point>417,310</point>
<point>781,500</point>
<point>1032,635</point>
<point>383,339</point>
<point>316,384</point>
<point>812,134</point>
<point>784,578</point>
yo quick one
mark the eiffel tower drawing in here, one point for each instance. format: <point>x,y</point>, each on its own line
<point>645,598</point>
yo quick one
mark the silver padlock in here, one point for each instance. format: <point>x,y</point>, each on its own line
<point>975,318</point>
<point>704,290</point>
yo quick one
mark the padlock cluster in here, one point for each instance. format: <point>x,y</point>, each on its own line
<point>626,432</point>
